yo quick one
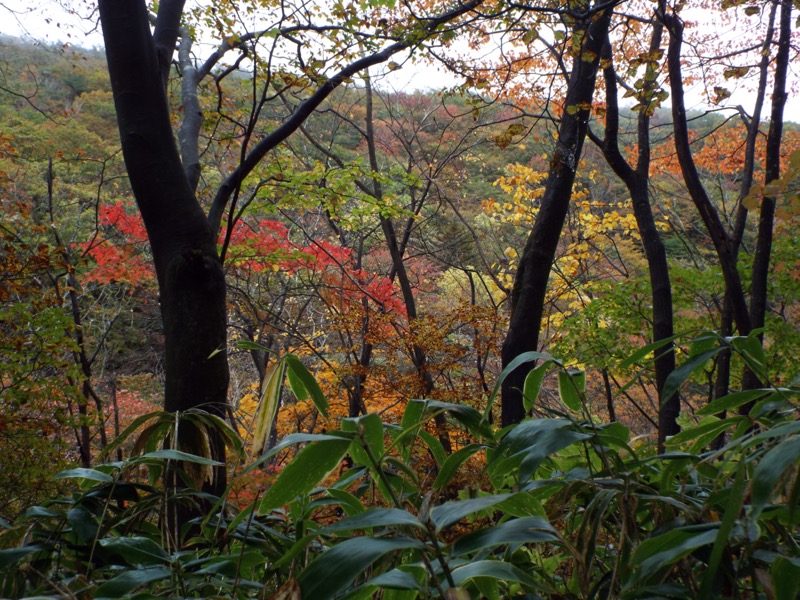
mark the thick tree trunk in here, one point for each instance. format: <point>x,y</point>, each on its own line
<point>190,277</point>
<point>530,284</point>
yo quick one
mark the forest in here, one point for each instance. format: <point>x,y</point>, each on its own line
<point>275,325</point>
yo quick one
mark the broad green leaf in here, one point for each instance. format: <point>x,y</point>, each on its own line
<point>136,550</point>
<point>176,455</point>
<point>450,513</point>
<point>533,384</point>
<point>369,431</point>
<point>350,504</point>
<point>293,439</point>
<point>83,523</point>
<point>453,462</point>
<point>750,348</point>
<point>768,472</point>
<point>732,509</point>
<point>250,345</point>
<point>785,573</point>
<point>375,517</point>
<point>135,426</point>
<point>410,424</point>
<point>11,556</point>
<point>572,388</point>
<point>466,415</point>
<point>298,548</point>
<point>701,435</point>
<point>301,380</point>
<point>679,376</point>
<point>306,470</point>
<point>335,569</point>
<point>434,445</point>
<point>495,569</point>
<point>642,353</point>
<point>124,583</point>
<point>267,407</point>
<point>398,581</point>
<point>527,530</point>
<point>525,446</point>
<point>523,358</point>
<point>658,552</point>
<point>91,474</point>
<point>733,401</point>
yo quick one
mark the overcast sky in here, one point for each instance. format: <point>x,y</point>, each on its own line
<point>47,20</point>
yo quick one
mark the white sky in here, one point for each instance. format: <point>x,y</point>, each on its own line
<point>50,21</point>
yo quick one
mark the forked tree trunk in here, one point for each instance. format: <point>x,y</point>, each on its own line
<point>637,180</point>
<point>190,276</point>
<point>530,284</point>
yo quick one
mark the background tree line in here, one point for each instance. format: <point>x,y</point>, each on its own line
<point>381,241</point>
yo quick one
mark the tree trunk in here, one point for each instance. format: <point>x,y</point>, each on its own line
<point>637,182</point>
<point>719,236</point>
<point>761,260</point>
<point>190,276</point>
<point>530,284</point>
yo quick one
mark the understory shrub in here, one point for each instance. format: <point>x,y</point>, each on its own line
<point>568,507</point>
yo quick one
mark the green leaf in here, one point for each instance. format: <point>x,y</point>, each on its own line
<point>450,513</point>
<point>466,415</point>
<point>702,434</point>
<point>434,445</point>
<point>176,455</point>
<point>572,388</point>
<point>396,579</point>
<point>527,530</point>
<point>733,401</point>
<point>641,353</point>
<point>679,376</point>
<point>751,350</point>
<point>91,474</point>
<point>494,569</point>
<point>250,345</point>
<point>135,425</point>
<point>121,585</point>
<point>525,446</point>
<point>453,462</point>
<point>523,358</point>
<point>83,524</point>
<point>136,550</point>
<point>375,517</point>
<point>311,465</point>
<point>369,432</point>
<point>658,552</point>
<point>533,384</point>
<point>291,440</point>
<point>410,424</point>
<point>298,548</point>
<point>785,573</point>
<point>732,509</point>
<point>334,570</point>
<point>768,472</point>
<point>302,380</point>
<point>350,504</point>
<point>11,556</point>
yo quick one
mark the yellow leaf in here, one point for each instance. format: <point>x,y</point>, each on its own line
<point>751,202</point>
